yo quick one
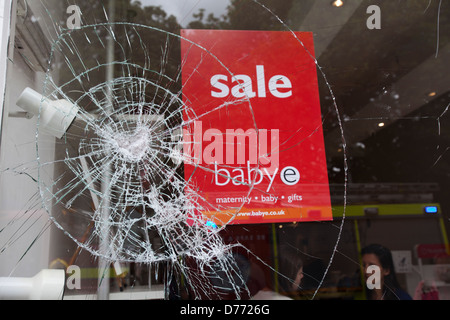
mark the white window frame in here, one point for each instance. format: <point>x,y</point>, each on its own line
<point>6,33</point>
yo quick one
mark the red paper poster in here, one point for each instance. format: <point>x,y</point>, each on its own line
<point>432,250</point>
<point>253,141</point>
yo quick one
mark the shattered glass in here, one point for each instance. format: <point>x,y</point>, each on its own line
<point>114,186</point>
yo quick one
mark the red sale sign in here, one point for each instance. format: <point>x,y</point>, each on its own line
<point>253,141</point>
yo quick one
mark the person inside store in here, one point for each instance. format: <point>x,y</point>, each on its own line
<point>290,275</point>
<point>389,288</point>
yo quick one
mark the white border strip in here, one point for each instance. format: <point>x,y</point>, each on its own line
<point>5,35</point>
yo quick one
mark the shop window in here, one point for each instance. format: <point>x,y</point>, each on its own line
<point>227,149</point>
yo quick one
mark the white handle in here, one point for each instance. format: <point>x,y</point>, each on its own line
<point>46,285</point>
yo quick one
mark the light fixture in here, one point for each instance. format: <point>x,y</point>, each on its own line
<point>55,116</point>
<point>338,3</point>
<point>381,124</point>
<point>46,285</point>
<point>432,94</point>
<point>431,209</point>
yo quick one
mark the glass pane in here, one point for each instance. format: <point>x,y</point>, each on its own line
<point>229,149</point>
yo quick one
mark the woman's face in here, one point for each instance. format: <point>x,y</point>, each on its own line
<point>298,279</point>
<point>371,259</point>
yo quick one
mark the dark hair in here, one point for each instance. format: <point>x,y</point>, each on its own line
<point>390,285</point>
<point>289,265</point>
